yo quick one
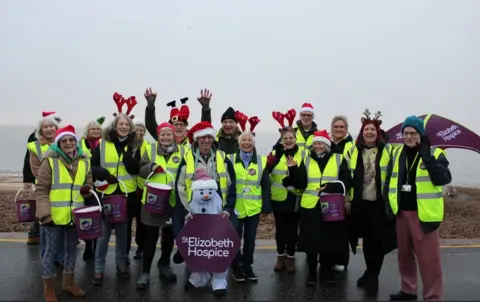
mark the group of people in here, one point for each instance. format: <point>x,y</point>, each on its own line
<point>393,195</point>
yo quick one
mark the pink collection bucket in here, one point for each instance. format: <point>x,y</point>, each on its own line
<point>333,205</point>
<point>88,220</point>
<point>115,206</point>
<point>25,208</point>
<point>157,196</point>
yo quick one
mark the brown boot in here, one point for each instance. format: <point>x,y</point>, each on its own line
<point>49,289</point>
<point>280,265</point>
<point>290,264</point>
<point>33,240</point>
<point>70,287</point>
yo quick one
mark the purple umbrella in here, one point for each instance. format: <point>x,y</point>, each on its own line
<point>442,133</point>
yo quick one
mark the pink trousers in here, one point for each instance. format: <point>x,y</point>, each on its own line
<point>426,247</point>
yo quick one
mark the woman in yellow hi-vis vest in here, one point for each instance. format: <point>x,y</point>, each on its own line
<point>415,181</point>
<point>253,199</point>
<point>90,141</point>
<point>285,198</point>
<point>322,241</point>
<point>368,162</point>
<point>117,159</point>
<point>43,137</point>
<point>63,179</point>
<point>162,159</point>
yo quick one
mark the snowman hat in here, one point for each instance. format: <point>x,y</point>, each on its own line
<point>203,181</point>
<point>49,116</point>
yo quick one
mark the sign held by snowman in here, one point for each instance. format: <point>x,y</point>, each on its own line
<point>208,242</point>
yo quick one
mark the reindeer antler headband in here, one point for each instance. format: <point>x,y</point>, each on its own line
<point>242,119</point>
<point>281,117</point>
<point>368,120</point>
<point>120,101</point>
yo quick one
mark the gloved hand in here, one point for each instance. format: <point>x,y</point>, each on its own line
<point>188,217</point>
<point>150,96</point>
<point>225,214</point>
<point>204,98</point>
<point>111,179</point>
<point>85,190</point>
<point>424,147</point>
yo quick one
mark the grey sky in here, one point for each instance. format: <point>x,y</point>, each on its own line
<point>402,57</point>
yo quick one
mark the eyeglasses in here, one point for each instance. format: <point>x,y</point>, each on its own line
<point>68,140</point>
<point>306,115</point>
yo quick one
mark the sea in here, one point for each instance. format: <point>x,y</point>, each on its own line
<point>464,164</point>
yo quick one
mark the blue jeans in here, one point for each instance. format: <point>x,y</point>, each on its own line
<point>59,251</point>
<point>120,245</point>
<point>247,228</point>
<point>56,237</point>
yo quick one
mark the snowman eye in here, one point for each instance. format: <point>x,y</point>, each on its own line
<point>201,192</point>
<point>211,192</point>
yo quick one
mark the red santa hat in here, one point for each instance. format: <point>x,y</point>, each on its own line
<point>307,107</point>
<point>165,126</point>
<point>67,130</point>
<point>203,181</point>
<point>322,136</point>
<point>201,129</point>
<point>49,116</point>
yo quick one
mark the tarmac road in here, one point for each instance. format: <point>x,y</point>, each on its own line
<point>20,279</point>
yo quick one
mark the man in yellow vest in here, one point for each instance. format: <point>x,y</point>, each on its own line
<point>415,180</point>
<point>205,155</point>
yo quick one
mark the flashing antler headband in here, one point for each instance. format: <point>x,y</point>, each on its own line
<point>120,101</point>
<point>368,120</point>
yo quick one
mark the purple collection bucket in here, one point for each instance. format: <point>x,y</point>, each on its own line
<point>88,221</point>
<point>157,196</point>
<point>333,205</point>
<point>115,207</point>
<point>26,208</point>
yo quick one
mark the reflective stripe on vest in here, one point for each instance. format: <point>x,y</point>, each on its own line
<point>38,149</point>
<point>165,178</point>
<point>279,192</point>
<point>429,197</point>
<point>110,160</point>
<point>301,143</point>
<point>145,147</point>
<point>220,175</point>
<point>384,160</point>
<point>249,189</point>
<point>64,192</point>
<point>316,179</point>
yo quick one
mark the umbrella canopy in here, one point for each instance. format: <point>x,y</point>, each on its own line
<point>442,133</point>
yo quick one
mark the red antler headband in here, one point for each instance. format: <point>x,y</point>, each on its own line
<point>120,101</point>
<point>281,117</point>
<point>242,119</point>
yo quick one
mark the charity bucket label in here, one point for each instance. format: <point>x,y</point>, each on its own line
<point>208,243</point>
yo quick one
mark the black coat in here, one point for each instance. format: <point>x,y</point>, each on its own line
<point>317,235</point>
<point>385,223</point>
<point>27,171</point>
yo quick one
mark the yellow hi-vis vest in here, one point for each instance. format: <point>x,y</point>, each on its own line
<point>65,193</point>
<point>249,189</point>
<point>352,157</point>
<point>279,192</point>
<point>301,142</point>
<point>429,196</point>
<point>221,171</point>
<point>85,149</point>
<point>110,161</point>
<point>143,148</point>
<point>185,144</point>
<point>316,179</point>
<point>171,166</point>
<point>38,149</point>
<point>347,148</point>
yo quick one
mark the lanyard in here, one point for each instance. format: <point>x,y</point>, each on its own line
<point>411,166</point>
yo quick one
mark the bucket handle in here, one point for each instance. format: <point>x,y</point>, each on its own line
<point>168,173</point>
<point>124,186</point>
<point>341,182</point>
<point>16,195</point>
<point>94,194</point>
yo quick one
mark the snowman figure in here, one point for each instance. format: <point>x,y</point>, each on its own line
<point>206,200</point>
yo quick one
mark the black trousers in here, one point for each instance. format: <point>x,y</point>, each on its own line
<point>150,246</point>
<point>133,209</point>
<point>371,216</point>
<point>326,260</point>
<point>286,232</point>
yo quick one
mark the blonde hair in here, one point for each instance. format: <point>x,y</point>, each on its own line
<point>89,126</point>
<point>342,118</point>
<point>113,124</point>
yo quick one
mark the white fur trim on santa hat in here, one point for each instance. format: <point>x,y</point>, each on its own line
<point>59,137</point>
<point>306,109</point>
<point>204,184</point>
<point>138,122</point>
<point>204,132</point>
<point>51,119</point>
<point>322,139</point>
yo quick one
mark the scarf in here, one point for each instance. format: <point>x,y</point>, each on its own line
<point>209,160</point>
<point>246,158</point>
<point>92,142</point>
